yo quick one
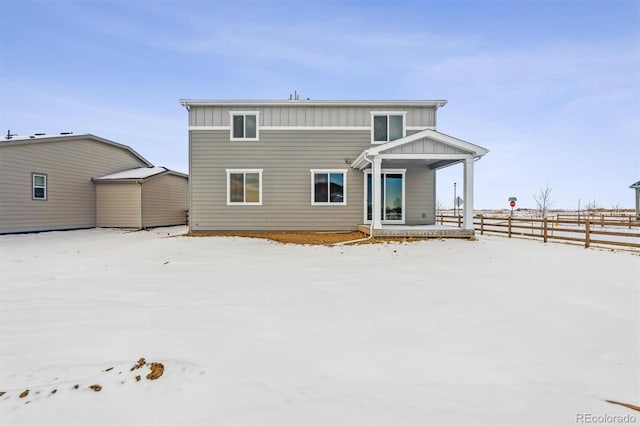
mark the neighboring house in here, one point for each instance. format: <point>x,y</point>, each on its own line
<point>636,187</point>
<point>319,165</point>
<point>142,198</point>
<point>46,180</point>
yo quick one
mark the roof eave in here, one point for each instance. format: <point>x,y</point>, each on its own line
<point>311,102</point>
<point>54,138</point>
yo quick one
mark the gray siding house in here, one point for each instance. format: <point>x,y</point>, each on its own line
<point>46,181</point>
<point>319,165</point>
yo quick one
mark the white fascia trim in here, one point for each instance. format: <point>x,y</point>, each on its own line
<point>348,128</point>
<point>244,113</point>
<point>388,113</point>
<point>475,150</point>
<point>368,171</point>
<point>281,128</point>
<point>424,156</point>
<point>360,160</point>
<point>274,102</point>
<point>328,203</point>
<point>244,203</point>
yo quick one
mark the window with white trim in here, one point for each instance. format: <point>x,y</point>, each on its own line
<point>387,126</point>
<point>244,187</point>
<point>244,125</point>
<point>328,187</point>
<point>392,195</point>
<point>39,186</point>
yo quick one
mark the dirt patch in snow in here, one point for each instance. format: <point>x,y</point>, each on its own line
<point>301,237</point>
<point>156,371</point>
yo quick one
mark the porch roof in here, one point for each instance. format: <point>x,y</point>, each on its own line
<point>438,149</point>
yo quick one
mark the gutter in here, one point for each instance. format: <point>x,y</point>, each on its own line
<point>438,103</point>
<point>370,225</point>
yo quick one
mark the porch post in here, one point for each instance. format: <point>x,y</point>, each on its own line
<point>468,194</point>
<point>376,169</point>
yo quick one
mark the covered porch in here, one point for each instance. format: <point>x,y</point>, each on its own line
<point>400,190</point>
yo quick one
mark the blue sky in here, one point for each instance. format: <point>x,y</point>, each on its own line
<point>552,88</point>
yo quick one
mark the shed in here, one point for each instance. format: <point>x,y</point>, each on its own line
<point>141,198</point>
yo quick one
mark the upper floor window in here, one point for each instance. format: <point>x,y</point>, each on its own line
<point>244,125</point>
<point>244,186</point>
<point>39,184</point>
<point>387,126</point>
<point>328,187</point>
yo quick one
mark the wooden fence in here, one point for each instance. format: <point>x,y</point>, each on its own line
<point>587,231</point>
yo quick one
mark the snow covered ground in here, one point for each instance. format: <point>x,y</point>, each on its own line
<point>494,331</point>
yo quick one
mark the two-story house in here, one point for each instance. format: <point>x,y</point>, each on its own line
<point>320,165</point>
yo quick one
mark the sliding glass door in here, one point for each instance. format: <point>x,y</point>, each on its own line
<point>392,196</point>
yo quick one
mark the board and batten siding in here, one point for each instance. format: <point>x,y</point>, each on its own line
<point>309,115</point>
<point>165,200</point>
<point>119,205</point>
<point>286,158</point>
<point>425,146</point>
<point>69,166</point>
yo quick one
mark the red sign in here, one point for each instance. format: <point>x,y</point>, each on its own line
<point>512,204</point>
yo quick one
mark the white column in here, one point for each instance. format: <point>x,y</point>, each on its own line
<point>376,169</point>
<point>468,194</point>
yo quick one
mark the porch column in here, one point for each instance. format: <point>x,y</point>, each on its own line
<point>376,169</point>
<point>468,194</point>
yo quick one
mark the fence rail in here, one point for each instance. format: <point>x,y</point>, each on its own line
<point>585,230</point>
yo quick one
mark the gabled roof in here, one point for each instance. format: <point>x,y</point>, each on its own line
<point>455,148</point>
<point>635,185</point>
<point>25,140</point>
<point>140,173</point>
<point>475,150</point>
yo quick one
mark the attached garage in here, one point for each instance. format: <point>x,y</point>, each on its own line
<point>142,198</point>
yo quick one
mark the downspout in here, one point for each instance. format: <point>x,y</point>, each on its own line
<point>189,208</point>
<point>370,225</point>
<point>139,182</point>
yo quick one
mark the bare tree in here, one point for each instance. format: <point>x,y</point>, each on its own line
<point>543,200</point>
<point>593,207</point>
<point>439,206</point>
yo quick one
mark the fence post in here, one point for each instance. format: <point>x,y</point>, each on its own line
<point>509,226</point>
<point>601,220</point>
<point>481,224</point>
<point>629,222</point>
<point>459,221</point>
<point>441,218</point>
<point>586,233</point>
<point>545,230</point>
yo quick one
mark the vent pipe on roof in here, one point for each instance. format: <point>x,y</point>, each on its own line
<point>295,96</point>
<point>9,135</point>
